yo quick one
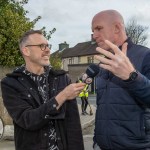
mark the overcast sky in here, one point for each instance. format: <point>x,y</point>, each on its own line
<point>72,18</point>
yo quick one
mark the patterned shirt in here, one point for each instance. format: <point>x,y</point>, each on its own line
<point>43,88</point>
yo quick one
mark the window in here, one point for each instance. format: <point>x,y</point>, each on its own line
<point>71,60</point>
<point>90,59</point>
<point>79,60</point>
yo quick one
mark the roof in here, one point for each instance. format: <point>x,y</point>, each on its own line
<point>81,49</point>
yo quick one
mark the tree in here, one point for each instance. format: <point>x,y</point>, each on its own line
<point>12,25</point>
<point>55,60</point>
<point>48,34</point>
<point>136,32</point>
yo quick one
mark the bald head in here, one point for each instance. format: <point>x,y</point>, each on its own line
<point>108,25</point>
<point>109,16</point>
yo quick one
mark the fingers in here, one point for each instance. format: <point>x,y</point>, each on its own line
<point>103,60</point>
<point>113,47</point>
<point>80,84</point>
<point>116,49</point>
<point>124,48</point>
<point>78,87</point>
<point>115,60</point>
<point>73,90</point>
<point>104,53</point>
<point>107,55</point>
<point>69,93</point>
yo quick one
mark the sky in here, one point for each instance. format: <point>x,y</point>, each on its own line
<point>72,18</point>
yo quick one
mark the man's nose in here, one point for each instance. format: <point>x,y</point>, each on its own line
<point>47,49</point>
<point>95,35</point>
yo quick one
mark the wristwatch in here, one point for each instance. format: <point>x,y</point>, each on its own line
<point>133,75</point>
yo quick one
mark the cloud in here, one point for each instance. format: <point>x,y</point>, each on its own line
<point>72,18</point>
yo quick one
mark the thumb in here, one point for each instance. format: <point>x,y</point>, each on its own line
<point>124,48</point>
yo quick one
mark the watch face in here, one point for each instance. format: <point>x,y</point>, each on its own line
<point>133,75</point>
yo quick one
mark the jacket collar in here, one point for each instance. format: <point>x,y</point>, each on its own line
<point>18,72</point>
<point>129,41</point>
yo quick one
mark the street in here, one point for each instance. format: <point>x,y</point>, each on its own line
<point>92,100</point>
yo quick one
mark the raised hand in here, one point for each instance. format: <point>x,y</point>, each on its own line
<point>116,60</point>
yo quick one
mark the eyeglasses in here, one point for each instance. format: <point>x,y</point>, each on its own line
<point>42,46</point>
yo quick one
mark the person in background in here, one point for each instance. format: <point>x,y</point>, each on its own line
<point>84,99</point>
<point>123,87</point>
<point>41,100</point>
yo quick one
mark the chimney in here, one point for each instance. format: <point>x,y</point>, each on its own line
<point>92,40</point>
<point>63,46</point>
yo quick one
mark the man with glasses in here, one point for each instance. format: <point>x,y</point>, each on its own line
<point>41,101</point>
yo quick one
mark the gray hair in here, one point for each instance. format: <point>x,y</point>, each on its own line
<point>24,38</point>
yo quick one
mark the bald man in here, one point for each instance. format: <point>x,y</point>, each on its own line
<point>123,87</point>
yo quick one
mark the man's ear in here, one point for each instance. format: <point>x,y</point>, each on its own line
<point>26,51</point>
<point>117,28</point>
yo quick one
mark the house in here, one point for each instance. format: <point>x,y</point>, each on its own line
<point>82,53</point>
<point>76,59</point>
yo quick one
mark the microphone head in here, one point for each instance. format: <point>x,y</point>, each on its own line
<point>92,70</point>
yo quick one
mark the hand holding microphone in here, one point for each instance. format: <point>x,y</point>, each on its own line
<point>69,92</point>
<point>73,90</point>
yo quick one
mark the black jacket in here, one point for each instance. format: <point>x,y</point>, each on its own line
<point>31,116</point>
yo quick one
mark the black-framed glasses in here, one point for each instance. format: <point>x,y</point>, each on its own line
<point>42,46</point>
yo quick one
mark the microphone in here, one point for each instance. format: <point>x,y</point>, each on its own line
<point>91,71</point>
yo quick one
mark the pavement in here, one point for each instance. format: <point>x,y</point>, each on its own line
<point>86,121</point>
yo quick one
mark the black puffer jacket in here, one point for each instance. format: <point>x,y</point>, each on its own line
<point>31,116</point>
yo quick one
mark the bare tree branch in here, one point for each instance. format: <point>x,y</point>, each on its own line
<point>137,32</point>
